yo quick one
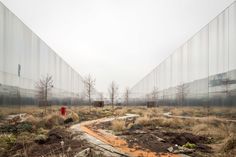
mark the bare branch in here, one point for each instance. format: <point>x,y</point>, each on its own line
<point>113,92</point>
<point>155,93</point>
<point>181,93</point>
<point>126,96</point>
<point>89,84</point>
<point>44,86</point>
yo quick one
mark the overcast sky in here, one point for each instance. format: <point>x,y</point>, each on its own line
<point>120,40</point>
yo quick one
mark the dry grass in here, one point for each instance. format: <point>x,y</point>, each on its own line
<point>143,121</point>
<point>202,111</point>
<point>229,144</point>
<point>215,129</point>
<point>50,121</point>
<point>118,125</point>
<point>23,109</point>
<point>189,111</point>
<point>121,111</point>
<point>32,119</point>
<point>164,122</point>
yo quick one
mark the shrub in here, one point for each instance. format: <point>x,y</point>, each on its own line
<point>118,125</point>
<point>8,128</point>
<point>24,127</point>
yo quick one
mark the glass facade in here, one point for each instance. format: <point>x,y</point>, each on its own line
<point>25,59</point>
<point>201,71</point>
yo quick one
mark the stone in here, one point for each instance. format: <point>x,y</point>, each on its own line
<point>170,149</point>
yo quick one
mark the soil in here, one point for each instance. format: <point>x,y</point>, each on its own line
<point>53,145</point>
<point>149,140</point>
<point>141,137</point>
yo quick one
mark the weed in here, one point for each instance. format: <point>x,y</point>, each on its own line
<point>189,145</point>
<point>7,140</point>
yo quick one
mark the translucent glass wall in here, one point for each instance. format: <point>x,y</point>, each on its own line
<point>201,71</point>
<point>24,59</point>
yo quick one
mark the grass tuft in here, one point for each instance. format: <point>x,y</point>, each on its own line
<point>118,125</point>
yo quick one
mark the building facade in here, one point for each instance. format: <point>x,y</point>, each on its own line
<point>25,59</point>
<point>200,72</point>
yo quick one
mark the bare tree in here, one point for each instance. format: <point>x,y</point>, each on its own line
<point>44,86</point>
<point>101,96</point>
<point>89,85</point>
<point>155,93</point>
<point>148,97</point>
<point>181,93</point>
<point>113,92</point>
<point>126,96</point>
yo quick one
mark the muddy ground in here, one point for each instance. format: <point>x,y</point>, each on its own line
<point>167,137</point>
<point>48,136</point>
<point>58,141</point>
<point>150,139</point>
<point>160,139</point>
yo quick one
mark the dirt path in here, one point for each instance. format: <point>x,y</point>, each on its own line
<point>113,144</point>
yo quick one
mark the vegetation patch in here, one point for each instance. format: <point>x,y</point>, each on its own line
<point>229,144</point>
<point>190,145</point>
<point>118,125</point>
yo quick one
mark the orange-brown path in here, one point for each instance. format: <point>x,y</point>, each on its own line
<point>122,145</point>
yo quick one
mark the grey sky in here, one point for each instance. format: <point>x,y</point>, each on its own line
<point>120,40</point>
